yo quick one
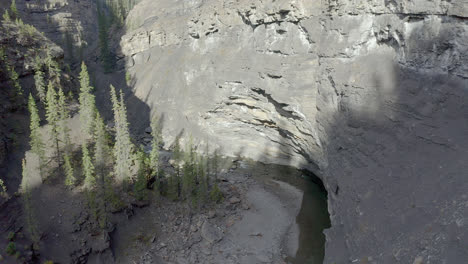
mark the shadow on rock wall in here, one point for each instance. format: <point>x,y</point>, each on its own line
<point>396,170</point>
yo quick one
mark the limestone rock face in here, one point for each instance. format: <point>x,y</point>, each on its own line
<point>369,95</point>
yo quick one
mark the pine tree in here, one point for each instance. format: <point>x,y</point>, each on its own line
<point>64,115</point>
<point>28,208</point>
<point>40,85</point>
<point>123,146</point>
<point>53,118</point>
<point>88,169</point>
<point>37,146</point>
<point>87,104</point>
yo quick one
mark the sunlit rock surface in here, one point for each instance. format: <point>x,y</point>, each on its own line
<point>370,95</point>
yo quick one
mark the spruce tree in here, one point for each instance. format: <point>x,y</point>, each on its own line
<point>40,85</point>
<point>53,118</point>
<point>177,155</point>
<point>13,9</point>
<point>101,148</point>
<point>202,187</point>
<point>28,208</point>
<point>6,16</point>
<point>64,115</point>
<point>189,173</point>
<point>69,171</point>
<point>53,68</point>
<point>88,168</point>
<point>35,141</point>
<point>123,146</point>
<point>140,190</point>
<point>154,155</point>
<point>87,104</point>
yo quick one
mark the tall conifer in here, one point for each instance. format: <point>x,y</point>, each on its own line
<point>64,115</point>
<point>154,155</point>
<point>123,146</point>
<point>87,104</point>
<point>40,85</point>
<point>53,118</point>
<point>88,168</point>
<point>35,141</point>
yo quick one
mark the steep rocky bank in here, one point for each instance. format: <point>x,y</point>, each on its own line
<point>368,95</point>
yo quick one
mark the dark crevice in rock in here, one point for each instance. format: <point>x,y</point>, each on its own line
<point>278,106</point>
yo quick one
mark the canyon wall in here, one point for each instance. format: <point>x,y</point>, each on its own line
<point>369,95</point>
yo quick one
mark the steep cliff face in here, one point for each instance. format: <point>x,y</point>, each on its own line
<point>369,95</point>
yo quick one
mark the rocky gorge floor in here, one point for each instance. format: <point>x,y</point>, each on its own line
<point>256,222</point>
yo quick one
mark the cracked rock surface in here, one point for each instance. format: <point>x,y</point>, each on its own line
<point>369,95</point>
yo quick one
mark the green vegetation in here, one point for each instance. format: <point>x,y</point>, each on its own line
<point>6,16</point>
<point>88,169</point>
<point>14,10</point>
<point>128,78</point>
<point>40,85</point>
<point>102,150</point>
<point>69,171</point>
<point>11,236</point>
<point>87,104</point>
<point>11,248</point>
<point>3,189</point>
<point>140,187</point>
<point>53,119</point>
<point>123,147</point>
<point>64,115</point>
<point>36,143</point>
<point>155,143</point>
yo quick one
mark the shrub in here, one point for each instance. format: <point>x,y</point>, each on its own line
<point>11,248</point>
<point>128,78</point>
<point>215,194</point>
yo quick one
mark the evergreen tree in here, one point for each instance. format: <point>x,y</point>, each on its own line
<point>101,161</point>
<point>202,187</point>
<point>177,155</point>
<point>53,118</point>
<point>101,148</point>
<point>88,169</point>
<point>154,155</point>
<point>87,104</point>
<point>53,68</point>
<point>140,189</point>
<point>189,172</point>
<point>40,85</point>
<point>14,10</point>
<point>64,115</point>
<point>15,79</point>
<point>6,16</point>
<point>123,146</point>
<point>69,171</point>
<point>28,208</point>
<point>37,146</point>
